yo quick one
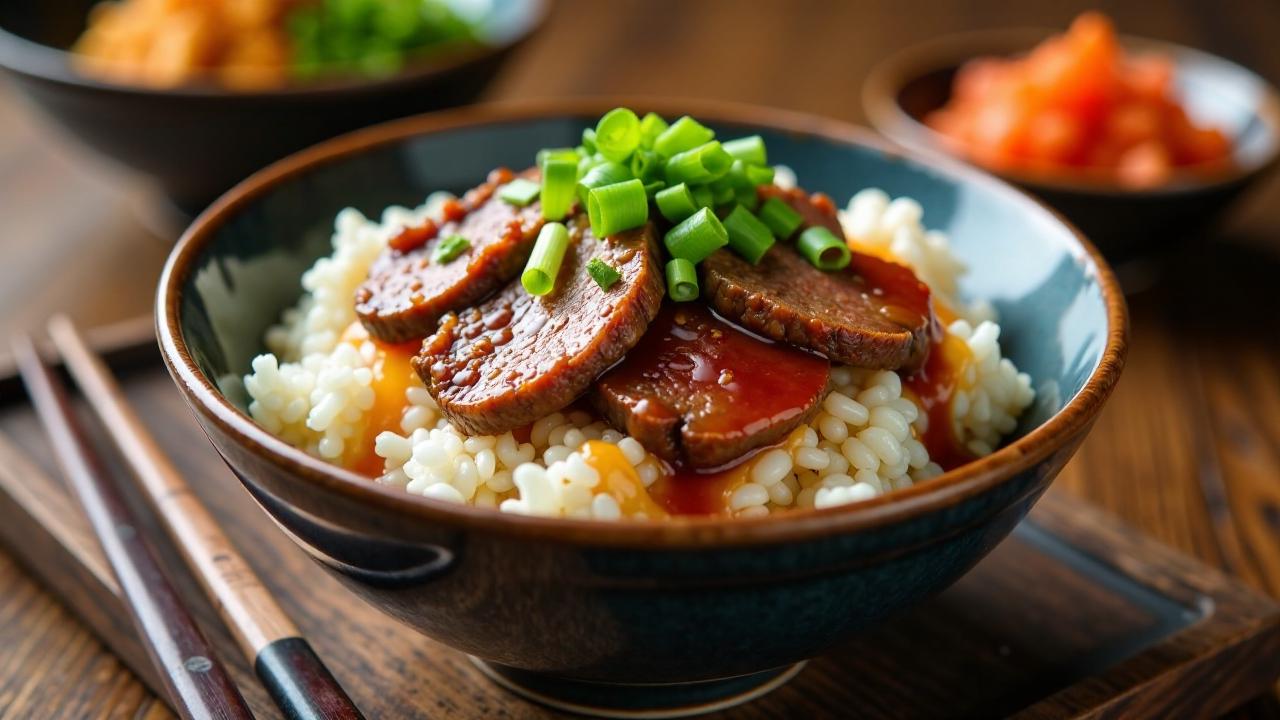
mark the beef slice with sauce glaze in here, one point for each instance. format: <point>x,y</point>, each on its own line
<point>872,314</point>
<point>700,392</point>
<point>406,293</point>
<point>517,357</point>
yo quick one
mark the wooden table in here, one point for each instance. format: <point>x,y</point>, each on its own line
<point>1188,449</point>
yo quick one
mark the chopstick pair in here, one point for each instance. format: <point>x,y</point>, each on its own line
<point>198,684</point>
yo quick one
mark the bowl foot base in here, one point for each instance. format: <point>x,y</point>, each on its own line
<point>618,700</point>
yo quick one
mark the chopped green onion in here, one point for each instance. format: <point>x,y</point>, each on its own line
<point>618,134</point>
<point>745,196</point>
<point>449,248</point>
<point>539,276</point>
<point>651,189</point>
<point>651,126</point>
<point>737,175</point>
<point>749,237</point>
<point>684,134</point>
<point>760,174</point>
<point>618,207</point>
<point>520,192</point>
<point>722,192</point>
<point>646,165</point>
<point>546,154</point>
<point>589,140</point>
<point>696,237</point>
<point>682,280</point>
<point>603,273</point>
<point>702,164</point>
<point>780,217</point>
<point>702,196</point>
<point>586,162</point>
<point>606,173</point>
<point>559,177</point>
<point>823,249</point>
<point>676,203</point>
<point>749,150</point>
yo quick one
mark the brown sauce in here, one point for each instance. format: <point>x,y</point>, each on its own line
<point>699,390</point>
<point>933,387</point>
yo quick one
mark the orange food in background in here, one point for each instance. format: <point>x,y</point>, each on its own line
<point>1076,105</point>
<point>163,43</point>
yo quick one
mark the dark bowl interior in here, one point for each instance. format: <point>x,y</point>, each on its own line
<point>197,141</point>
<point>695,598</point>
<point>1125,223</point>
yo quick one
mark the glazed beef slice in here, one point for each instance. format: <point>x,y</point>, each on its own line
<point>406,294</point>
<point>517,357</point>
<point>701,393</point>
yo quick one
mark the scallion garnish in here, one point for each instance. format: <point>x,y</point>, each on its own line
<point>603,273</point>
<point>546,154</point>
<point>748,237</point>
<point>702,164</point>
<point>702,196</point>
<point>696,237</point>
<point>539,276</point>
<point>722,192</point>
<point>647,165</point>
<point>559,177</point>
<point>651,126</point>
<point>823,249</point>
<point>684,134</point>
<point>676,203</point>
<point>745,196</point>
<point>760,174</point>
<point>520,192</point>
<point>749,150</point>
<point>682,280</point>
<point>449,248</point>
<point>651,189</point>
<point>589,140</point>
<point>606,173</point>
<point>617,207</point>
<point>780,217</point>
<point>618,134</point>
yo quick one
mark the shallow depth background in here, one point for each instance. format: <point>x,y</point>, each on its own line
<point>1188,449</point>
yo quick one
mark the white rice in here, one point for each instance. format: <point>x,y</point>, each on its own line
<point>863,441</point>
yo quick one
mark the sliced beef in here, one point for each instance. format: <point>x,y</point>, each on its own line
<point>699,392</point>
<point>516,357</point>
<point>848,315</point>
<point>871,314</point>
<point>406,293</point>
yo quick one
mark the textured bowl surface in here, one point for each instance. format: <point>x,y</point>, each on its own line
<point>197,141</point>
<point>905,87</point>
<point>686,600</point>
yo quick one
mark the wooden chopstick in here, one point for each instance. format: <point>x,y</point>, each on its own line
<point>291,671</point>
<point>197,683</point>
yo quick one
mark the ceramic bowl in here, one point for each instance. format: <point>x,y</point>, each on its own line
<point>653,617</point>
<point>1126,223</point>
<point>197,141</point>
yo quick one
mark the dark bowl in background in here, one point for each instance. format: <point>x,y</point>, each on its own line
<point>1125,223</point>
<point>636,616</point>
<point>197,141</point>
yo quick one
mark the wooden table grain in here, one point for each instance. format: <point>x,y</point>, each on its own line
<point>1188,449</point>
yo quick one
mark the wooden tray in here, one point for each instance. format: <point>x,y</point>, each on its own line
<point>1073,616</point>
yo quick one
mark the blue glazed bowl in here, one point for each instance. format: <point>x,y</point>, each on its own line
<point>594,615</point>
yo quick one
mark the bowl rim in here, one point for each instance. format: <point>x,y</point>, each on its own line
<point>23,56</point>
<point>1061,430</point>
<point>887,77</point>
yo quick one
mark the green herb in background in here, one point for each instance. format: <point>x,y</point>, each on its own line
<point>374,37</point>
